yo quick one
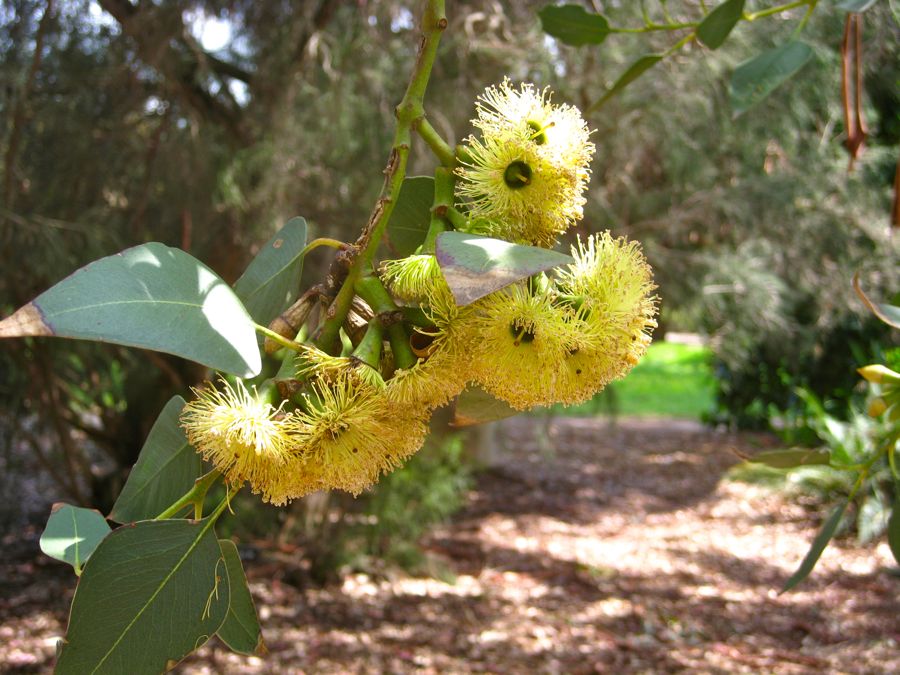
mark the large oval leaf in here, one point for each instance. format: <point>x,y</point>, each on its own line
<point>272,279</point>
<point>411,215</point>
<point>166,469</point>
<point>475,266</point>
<point>574,25</point>
<point>149,296</point>
<point>756,78</point>
<point>241,631</point>
<point>717,25</point>
<point>152,593</point>
<point>72,534</point>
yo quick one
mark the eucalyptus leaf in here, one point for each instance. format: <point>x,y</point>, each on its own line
<point>573,25</point>
<point>165,470</point>
<point>272,279</point>
<point>633,72</point>
<point>411,216</point>
<point>818,545</point>
<point>890,314</point>
<point>72,534</point>
<point>476,406</point>
<point>241,631</point>
<point>718,24</point>
<point>756,78</point>
<point>152,593</point>
<point>475,266</point>
<point>149,296</point>
<point>788,459</point>
<point>893,532</point>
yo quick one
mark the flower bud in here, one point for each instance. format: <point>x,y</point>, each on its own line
<point>879,374</point>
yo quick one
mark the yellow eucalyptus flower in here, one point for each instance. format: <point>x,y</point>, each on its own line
<point>429,384</point>
<point>352,434</point>
<point>526,175</point>
<point>523,337</point>
<point>611,285</point>
<point>241,434</point>
<point>559,130</point>
<point>414,278</point>
<point>514,192</point>
<point>313,362</point>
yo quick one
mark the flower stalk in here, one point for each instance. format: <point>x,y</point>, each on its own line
<point>196,496</point>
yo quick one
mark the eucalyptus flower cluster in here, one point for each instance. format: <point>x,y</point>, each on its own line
<point>556,337</point>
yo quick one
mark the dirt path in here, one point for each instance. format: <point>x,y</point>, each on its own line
<point>622,551</point>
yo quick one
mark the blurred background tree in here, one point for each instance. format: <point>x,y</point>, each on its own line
<point>207,124</point>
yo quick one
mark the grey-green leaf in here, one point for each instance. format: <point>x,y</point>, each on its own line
<point>152,593</point>
<point>788,459</point>
<point>241,631</point>
<point>475,266</point>
<point>818,545</point>
<point>149,296</point>
<point>166,469</point>
<point>411,215</point>
<point>476,406</point>
<point>890,314</point>
<point>573,25</point>
<point>72,534</point>
<point>272,279</point>
<point>633,72</point>
<point>893,532</point>
<point>855,5</point>
<point>717,25</point>
<point>756,78</point>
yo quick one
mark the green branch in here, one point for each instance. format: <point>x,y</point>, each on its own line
<point>651,26</point>
<point>410,113</point>
<point>444,182</point>
<point>371,290</point>
<point>438,145</point>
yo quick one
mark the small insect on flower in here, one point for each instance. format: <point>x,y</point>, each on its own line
<point>558,130</point>
<point>241,433</point>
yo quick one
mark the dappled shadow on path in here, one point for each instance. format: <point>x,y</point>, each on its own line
<point>618,551</point>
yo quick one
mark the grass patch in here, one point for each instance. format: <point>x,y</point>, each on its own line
<point>672,380</point>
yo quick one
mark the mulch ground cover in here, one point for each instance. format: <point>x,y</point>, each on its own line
<point>584,548</point>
